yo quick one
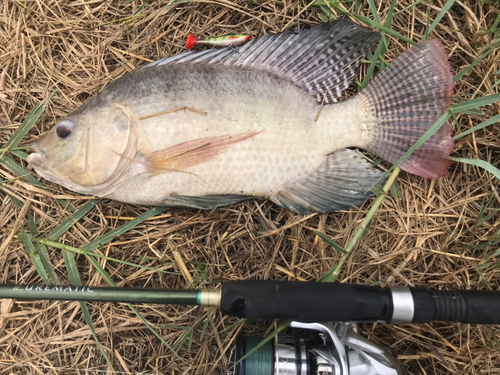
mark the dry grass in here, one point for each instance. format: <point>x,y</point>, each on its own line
<point>427,238</point>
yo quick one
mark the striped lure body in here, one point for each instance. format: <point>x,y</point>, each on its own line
<point>221,41</point>
<point>210,128</point>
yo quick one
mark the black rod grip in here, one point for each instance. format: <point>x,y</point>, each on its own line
<point>465,306</point>
<point>306,301</point>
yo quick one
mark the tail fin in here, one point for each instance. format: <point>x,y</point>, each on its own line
<point>406,99</point>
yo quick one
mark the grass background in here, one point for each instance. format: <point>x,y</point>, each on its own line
<point>441,234</point>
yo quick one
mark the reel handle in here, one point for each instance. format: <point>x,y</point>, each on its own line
<point>333,302</point>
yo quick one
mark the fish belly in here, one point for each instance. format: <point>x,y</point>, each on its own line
<point>289,140</point>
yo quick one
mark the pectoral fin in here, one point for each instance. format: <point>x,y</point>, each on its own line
<point>187,154</point>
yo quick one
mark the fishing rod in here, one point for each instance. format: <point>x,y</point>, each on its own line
<point>293,300</point>
<point>321,308</point>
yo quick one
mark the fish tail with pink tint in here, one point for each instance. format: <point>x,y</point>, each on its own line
<point>405,100</point>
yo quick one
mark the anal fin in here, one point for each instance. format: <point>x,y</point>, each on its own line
<point>206,202</point>
<point>341,181</point>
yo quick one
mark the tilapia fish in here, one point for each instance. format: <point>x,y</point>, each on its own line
<point>214,127</point>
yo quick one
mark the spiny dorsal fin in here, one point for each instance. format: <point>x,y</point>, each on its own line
<point>322,60</point>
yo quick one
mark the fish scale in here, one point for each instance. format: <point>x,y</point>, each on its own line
<point>214,127</point>
<point>272,158</point>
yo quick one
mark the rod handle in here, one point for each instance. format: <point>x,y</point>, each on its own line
<point>305,301</point>
<point>333,302</point>
<point>465,306</point>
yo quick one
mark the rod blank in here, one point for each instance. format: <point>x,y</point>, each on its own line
<point>106,294</point>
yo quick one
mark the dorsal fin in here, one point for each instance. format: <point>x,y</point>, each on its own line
<point>322,60</point>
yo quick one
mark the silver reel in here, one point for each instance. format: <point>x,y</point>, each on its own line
<point>343,352</point>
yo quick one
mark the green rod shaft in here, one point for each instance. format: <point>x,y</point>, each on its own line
<point>86,293</point>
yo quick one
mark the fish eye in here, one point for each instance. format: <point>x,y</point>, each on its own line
<point>64,129</point>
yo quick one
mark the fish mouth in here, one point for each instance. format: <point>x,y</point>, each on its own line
<point>39,161</point>
<point>35,157</point>
<point>35,146</point>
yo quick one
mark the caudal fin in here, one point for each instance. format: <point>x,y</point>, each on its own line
<point>406,99</point>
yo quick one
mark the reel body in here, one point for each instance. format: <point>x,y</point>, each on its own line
<point>342,352</point>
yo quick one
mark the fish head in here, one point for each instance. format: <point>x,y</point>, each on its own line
<point>86,152</point>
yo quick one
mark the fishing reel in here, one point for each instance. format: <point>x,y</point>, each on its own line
<point>341,351</point>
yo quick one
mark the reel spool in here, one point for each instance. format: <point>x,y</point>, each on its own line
<point>342,352</point>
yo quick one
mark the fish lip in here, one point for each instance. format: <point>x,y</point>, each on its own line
<point>37,148</point>
<point>35,157</point>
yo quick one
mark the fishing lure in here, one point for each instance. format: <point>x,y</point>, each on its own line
<point>220,41</point>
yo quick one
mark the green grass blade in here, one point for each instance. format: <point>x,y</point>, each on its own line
<point>21,173</point>
<point>373,8</point>
<point>28,123</point>
<point>390,15</point>
<point>330,242</point>
<point>70,263</point>
<point>429,133</point>
<point>204,330</point>
<point>104,239</point>
<point>475,103</point>
<point>480,163</point>
<point>77,250</point>
<point>493,87</point>
<point>477,61</point>
<point>99,242</point>
<point>59,231</point>
<point>426,34</point>
<point>373,63</point>
<point>69,260</point>
<point>484,219</point>
<point>44,256</point>
<point>494,255</point>
<point>110,281</point>
<point>42,251</point>
<point>380,50</point>
<point>16,169</point>
<point>440,16</point>
<point>231,326</point>
<point>373,23</point>
<point>189,331</point>
<point>396,190</point>
<point>32,226</point>
<point>283,325</point>
<point>35,258</point>
<point>16,201</point>
<point>12,149</point>
<point>408,7</point>
<point>71,220</point>
<point>20,154</point>
<point>331,275</point>
<point>480,126</point>
<point>386,30</point>
<point>495,24</point>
